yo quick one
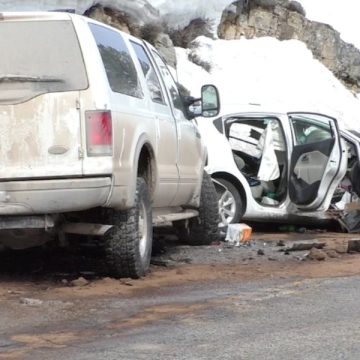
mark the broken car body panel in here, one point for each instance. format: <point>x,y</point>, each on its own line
<point>239,145</point>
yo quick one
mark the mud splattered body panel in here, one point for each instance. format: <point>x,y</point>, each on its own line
<point>41,137</point>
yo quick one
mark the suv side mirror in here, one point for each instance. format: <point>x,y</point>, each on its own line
<point>210,101</point>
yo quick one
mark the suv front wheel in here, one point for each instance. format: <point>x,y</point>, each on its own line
<point>202,230</point>
<point>128,244</point>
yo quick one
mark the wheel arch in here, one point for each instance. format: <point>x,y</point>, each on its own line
<point>236,182</point>
<point>145,165</point>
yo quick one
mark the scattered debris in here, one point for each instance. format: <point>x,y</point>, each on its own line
<point>280,243</point>
<point>340,246</point>
<point>31,302</point>
<point>185,260</point>
<point>351,221</point>
<point>301,258</point>
<point>354,245</point>
<point>81,281</point>
<point>302,245</point>
<point>126,282</point>
<point>317,254</point>
<point>331,253</point>
<point>15,292</point>
<point>238,234</point>
<point>261,252</point>
<point>159,262</point>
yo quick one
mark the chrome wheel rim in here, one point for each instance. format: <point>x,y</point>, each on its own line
<point>227,208</point>
<point>143,226</point>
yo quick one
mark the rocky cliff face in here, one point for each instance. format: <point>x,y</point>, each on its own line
<point>132,23</point>
<point>277,18</point>
<point>282,19</point>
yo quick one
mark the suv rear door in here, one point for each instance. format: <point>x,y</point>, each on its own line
<point>42,72</point>
<point>318,160</point>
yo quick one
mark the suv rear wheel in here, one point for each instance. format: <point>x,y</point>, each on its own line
<point>202,230</point>
<point>128,244</point>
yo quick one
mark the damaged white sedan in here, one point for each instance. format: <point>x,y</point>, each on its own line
<point>279,166</point>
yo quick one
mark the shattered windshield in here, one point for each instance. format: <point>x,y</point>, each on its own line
<point>38,57</point>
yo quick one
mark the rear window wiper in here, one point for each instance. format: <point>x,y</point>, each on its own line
<point>25,78</point>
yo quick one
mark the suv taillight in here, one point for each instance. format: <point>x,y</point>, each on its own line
<point>98,133</point>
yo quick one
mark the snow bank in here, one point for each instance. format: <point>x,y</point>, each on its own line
<point>180,13</point>
<point>281,76</point>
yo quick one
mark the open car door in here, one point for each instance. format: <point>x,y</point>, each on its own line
<point>318,160</point>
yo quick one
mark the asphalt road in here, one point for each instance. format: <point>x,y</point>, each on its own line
<point>210,302</point>
<point>272,319</point>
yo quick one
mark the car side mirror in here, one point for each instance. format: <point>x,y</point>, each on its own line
<point>210,101</point>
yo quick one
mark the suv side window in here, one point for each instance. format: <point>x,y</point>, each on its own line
<point>119,66</point>
<point>169,82</point>
<point>151,77</point>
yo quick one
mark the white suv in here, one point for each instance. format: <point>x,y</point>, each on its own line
<point>95,140</point>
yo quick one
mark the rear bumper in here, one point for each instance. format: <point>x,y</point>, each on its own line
<point>53,196</point>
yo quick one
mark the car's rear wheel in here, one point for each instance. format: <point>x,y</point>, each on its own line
<point>230,203</point>
<point>128,244</point>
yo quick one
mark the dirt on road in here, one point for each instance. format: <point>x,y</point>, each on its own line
<point>59,275</point>
<point>52,299</point>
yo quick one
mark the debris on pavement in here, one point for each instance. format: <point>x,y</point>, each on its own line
<point>331,253</point>
<point>354,245</point>
<point>81,281</point>
<point>317,254</point>
<point>350,220</point>
<point>159,262</point>
<point>238,234</point>
<point>301,245</point>
<point>31,302</point>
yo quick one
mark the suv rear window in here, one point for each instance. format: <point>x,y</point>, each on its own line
<point>38,57</point>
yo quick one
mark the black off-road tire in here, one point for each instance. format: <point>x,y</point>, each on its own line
<point>127,252</point>
<point>202,230</point>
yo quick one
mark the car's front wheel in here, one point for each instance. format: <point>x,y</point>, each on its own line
<point>230,203</point>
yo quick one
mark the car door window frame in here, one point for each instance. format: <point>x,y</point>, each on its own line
<point>152,68</point>
<point>174,107</point>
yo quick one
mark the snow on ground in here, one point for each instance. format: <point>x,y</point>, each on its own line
<point>279,75</point>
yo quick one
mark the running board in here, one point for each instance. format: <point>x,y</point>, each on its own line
<point>167,219</point>
<point>85,229</point>
<point>100,230</point>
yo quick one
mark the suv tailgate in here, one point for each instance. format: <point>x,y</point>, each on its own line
<point>41,74</point>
